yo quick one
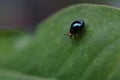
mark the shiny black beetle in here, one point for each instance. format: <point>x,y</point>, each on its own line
<point>76,27</point>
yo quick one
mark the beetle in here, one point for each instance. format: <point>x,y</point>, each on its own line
<point>76,27</point>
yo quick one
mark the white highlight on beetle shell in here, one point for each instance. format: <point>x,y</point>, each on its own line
<point>76,24</point>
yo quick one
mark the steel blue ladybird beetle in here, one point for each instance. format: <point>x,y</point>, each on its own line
<point>76,27</point>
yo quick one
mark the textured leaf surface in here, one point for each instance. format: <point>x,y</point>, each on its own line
<point>51,54</point>
<point>9,75</point>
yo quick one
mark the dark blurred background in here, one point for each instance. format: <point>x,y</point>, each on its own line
<point>26,14</point>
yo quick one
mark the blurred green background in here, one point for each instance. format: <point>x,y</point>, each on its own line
<point>26,14</point>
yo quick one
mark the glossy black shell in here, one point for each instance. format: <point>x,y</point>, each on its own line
<point>76,27</point>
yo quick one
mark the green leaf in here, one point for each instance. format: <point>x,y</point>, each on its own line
<point>51,54</point>
<point>9,75</point>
